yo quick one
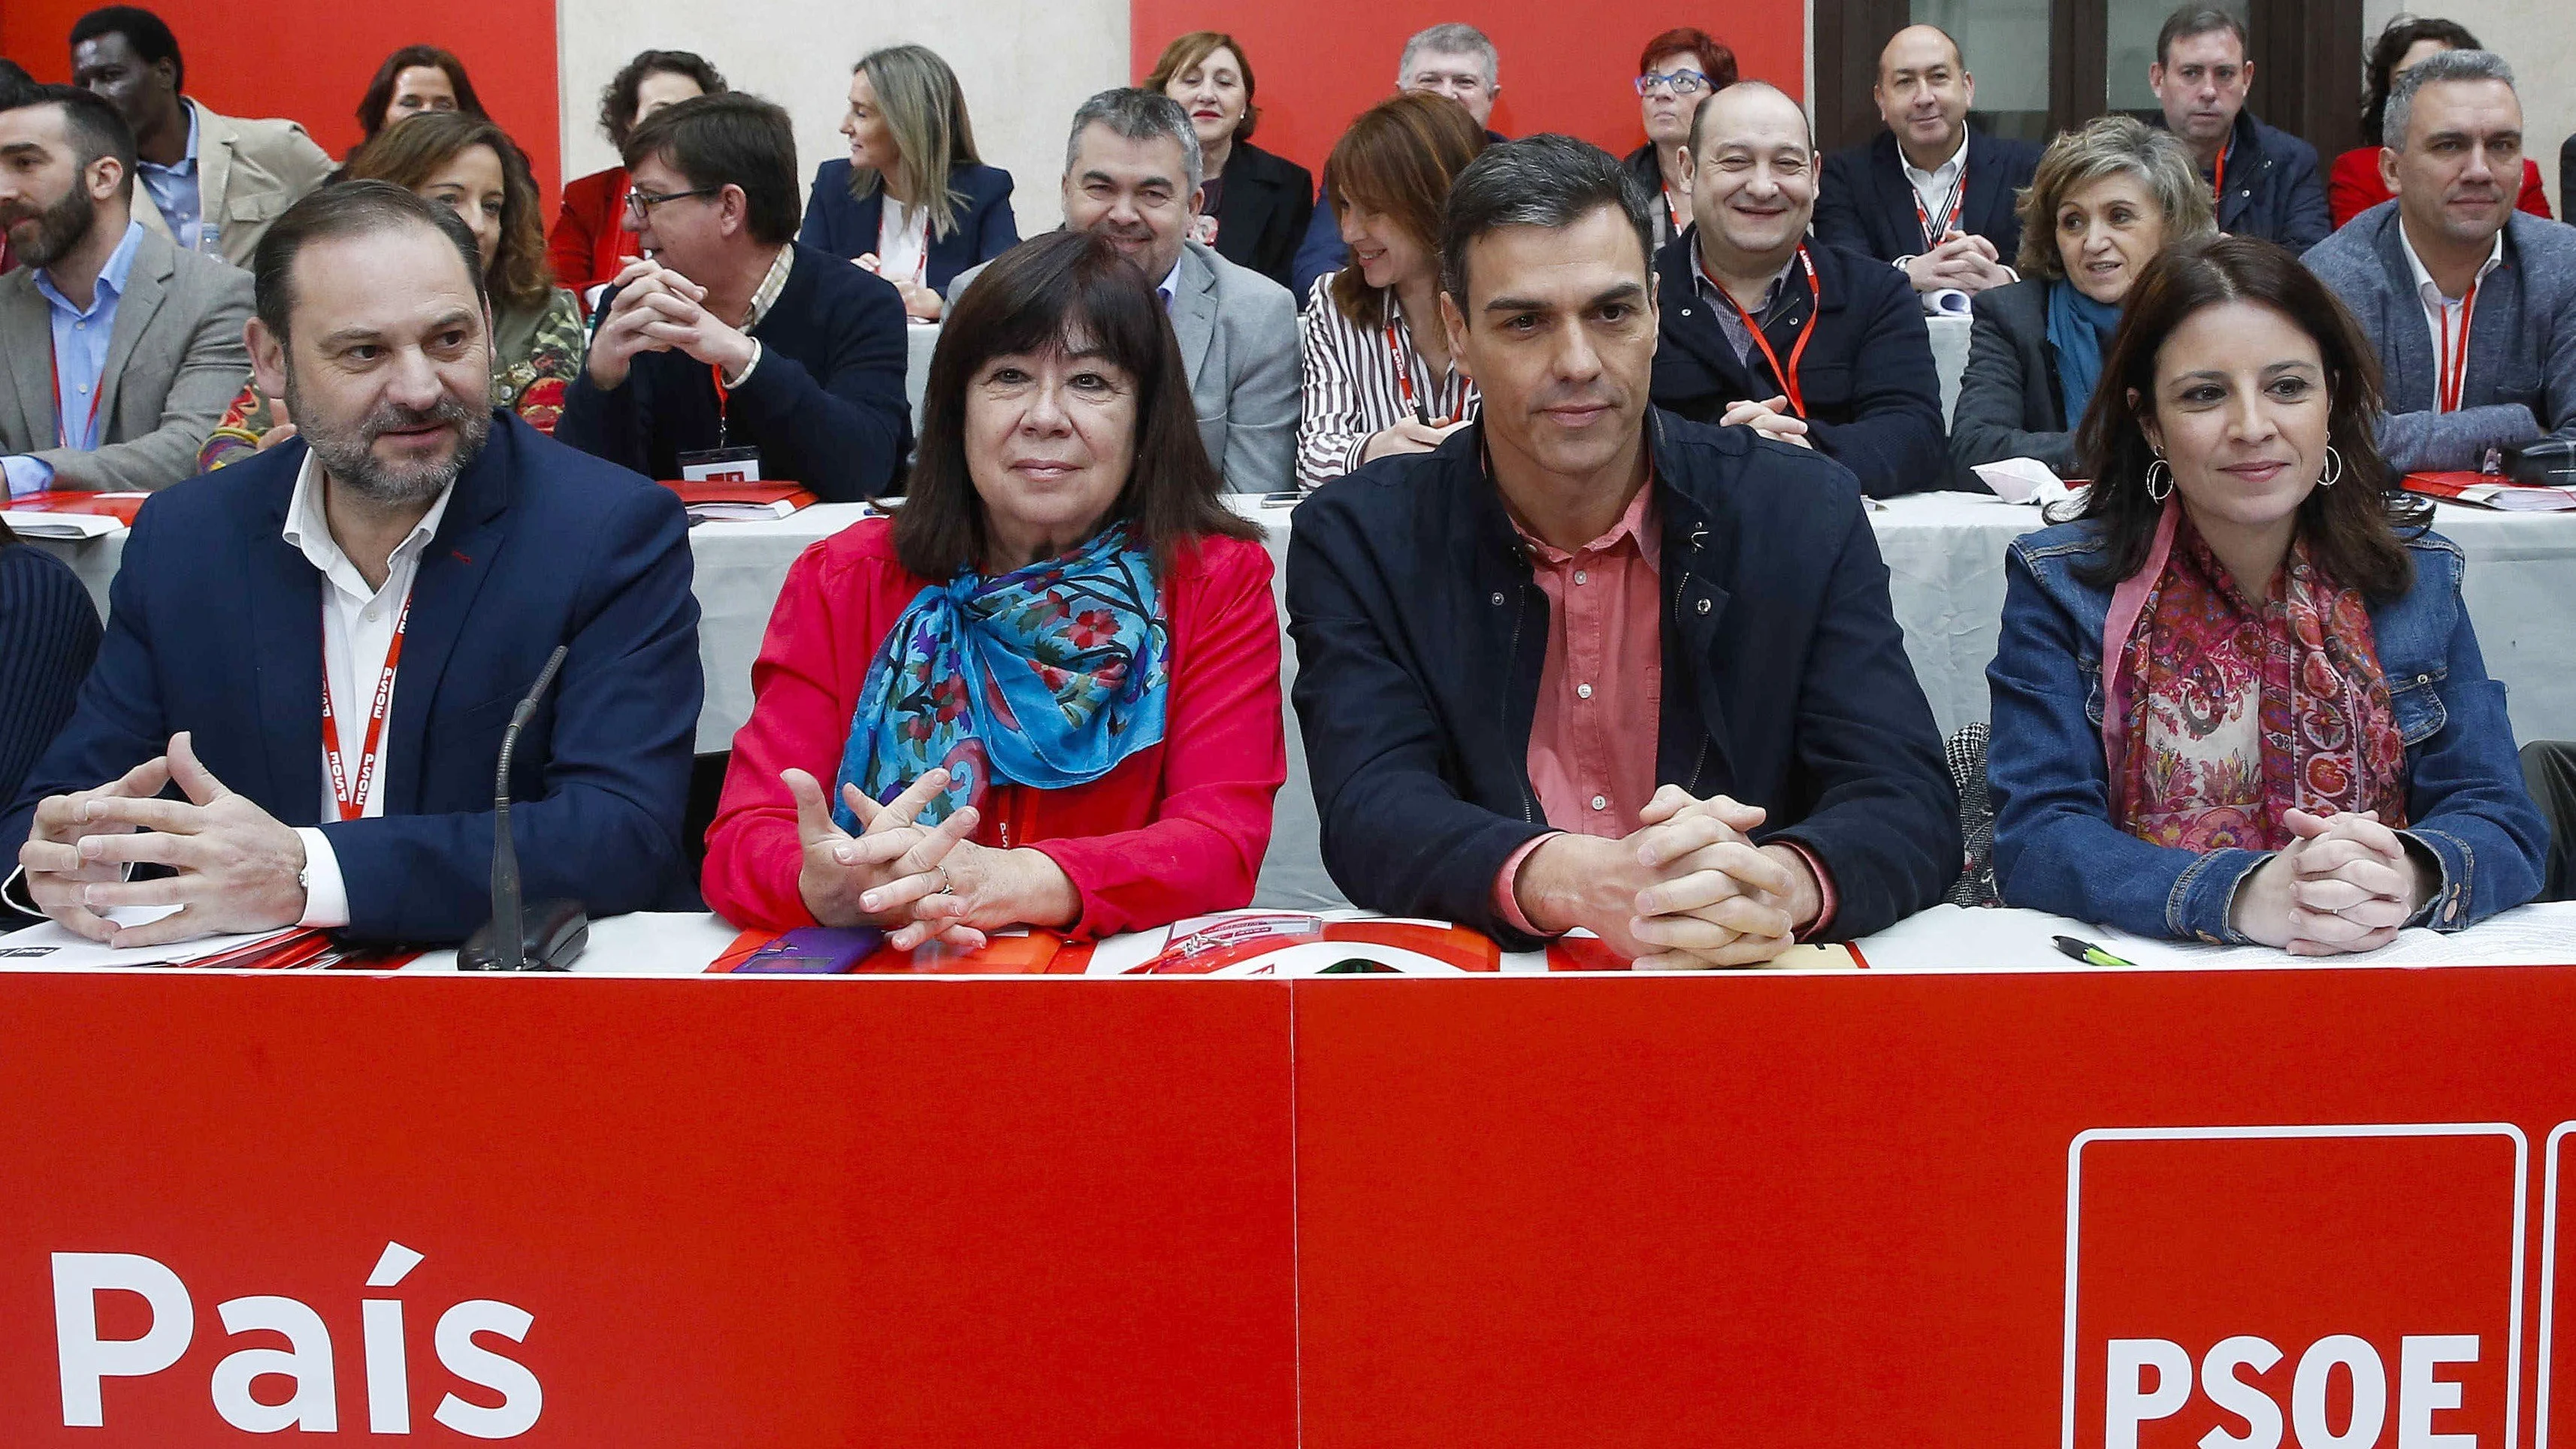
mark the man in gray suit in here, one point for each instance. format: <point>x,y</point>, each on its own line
<point>215,182</point>
<point>2471,304</point>
<point>122,350</point>
<point>1131,175</point>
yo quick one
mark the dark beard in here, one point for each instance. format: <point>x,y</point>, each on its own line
<point>349,453</point>
<point>60,228</point>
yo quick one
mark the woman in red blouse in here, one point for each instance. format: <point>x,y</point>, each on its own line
<point>1047,692</point>
<point>588,244</point>
<point>2355,185</point>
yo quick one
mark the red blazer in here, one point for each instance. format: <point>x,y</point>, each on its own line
<point>1176,830</point>
<point>589,242</point>
<point>2354,186</point>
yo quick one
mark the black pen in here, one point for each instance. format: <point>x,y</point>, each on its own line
<point>2087,952</point>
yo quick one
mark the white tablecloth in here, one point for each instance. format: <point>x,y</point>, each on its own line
<point>1944,554</point>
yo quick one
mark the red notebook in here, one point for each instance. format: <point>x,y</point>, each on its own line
<point>740,500</point>
<point>2490,490</point>
<point>120,506</point>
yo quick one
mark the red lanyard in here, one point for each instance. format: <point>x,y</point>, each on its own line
<point>1932,235</point>
<point>1672,213</point>
<point>1404,380</point>
<point>724,401</point>
<point>62,427</point>
<point>352,799</point>
<point>2218,178</point>
<point>1788,376</point>
<point>2452,377</point>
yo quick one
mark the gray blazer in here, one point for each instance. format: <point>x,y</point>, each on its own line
<point>248,174</point>
<point>174,363</point>
<point>1238,335</point>
<point>2522,343</point>
<point>2009,400</point>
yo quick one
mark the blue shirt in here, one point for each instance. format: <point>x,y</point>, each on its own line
<point>174,190</point>
<point>80,362</point>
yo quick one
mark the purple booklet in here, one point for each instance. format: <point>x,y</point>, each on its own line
<point>814,951</point>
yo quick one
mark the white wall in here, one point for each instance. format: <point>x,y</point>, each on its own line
<point>1025,65</point>
<point>2538,37</point>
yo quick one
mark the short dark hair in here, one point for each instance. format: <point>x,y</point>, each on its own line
<point>617,99</point>
<point>16,86</point>
<point>2352,527</point>
<point>729,139</point>
<point>2402,35</point>
<point>2193,20</point>
<point>380,91</point>
<point>1040,294</point>
<point>346,209</point>
<point>1547,180</point>
<point>93,126</point>
<point>1714,53</point>
<point>148,33</point>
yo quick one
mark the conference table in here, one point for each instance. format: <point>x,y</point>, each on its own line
<point>1945,558</point>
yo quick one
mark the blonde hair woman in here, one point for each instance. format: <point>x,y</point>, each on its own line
<point>911,202</point>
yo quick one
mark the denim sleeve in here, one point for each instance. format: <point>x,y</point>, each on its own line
<point>2056,847</point>
<point>2466,800</point>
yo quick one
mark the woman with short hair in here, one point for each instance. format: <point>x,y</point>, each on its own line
<point>2239,698</point>
<point>1253,206</point>
<point>589,244</point>
<point>912,202</point>
<point>1676,74</point>
<point>472,166</point>
<point>1376,369</point>
<point>2105,200</point>
<point>1047,692</point>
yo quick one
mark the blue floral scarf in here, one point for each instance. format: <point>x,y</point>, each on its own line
<point>1047,676</point>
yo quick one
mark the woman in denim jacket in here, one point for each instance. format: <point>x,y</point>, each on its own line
<point>2239,699</point>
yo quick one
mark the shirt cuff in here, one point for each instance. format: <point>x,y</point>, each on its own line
<point>27,475</point>
<point>1507,902</point>
<point>1826,901</point>
<point>15,895</point>
<point>326,896</point>
<point>744,376</point>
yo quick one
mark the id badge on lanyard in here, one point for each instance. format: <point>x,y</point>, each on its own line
<point>722,463</point>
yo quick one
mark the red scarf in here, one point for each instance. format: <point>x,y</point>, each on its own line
<point>2235,710</point>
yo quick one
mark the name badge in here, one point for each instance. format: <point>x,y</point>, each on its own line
<point>721,465</point>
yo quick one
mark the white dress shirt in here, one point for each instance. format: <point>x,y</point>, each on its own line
<point>357,631</point>
<point>903,243</point>
<point>1935,187</point>
<point>2442,314</point>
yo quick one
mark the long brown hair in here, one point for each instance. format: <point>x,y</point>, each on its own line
<point>1398,159</point>
<point>1044,293</point>
<point>380,91</point>
<point>2352,528</point>
<point>409,154</point>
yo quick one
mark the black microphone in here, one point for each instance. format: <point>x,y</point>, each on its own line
<point>548,938</point>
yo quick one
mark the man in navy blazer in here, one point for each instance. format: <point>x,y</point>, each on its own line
<point>1928,194</point>
<point>1837,357</point>
<point>321,647</point>
<point>726,335</point>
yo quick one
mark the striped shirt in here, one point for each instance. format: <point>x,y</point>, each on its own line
<point>1349,379</point>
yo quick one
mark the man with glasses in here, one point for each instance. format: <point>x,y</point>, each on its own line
<point>1677,73</point>
<point>1928,194</point>
<point>727,350</point>
<point>2266,180</point>
<point>1452,60</point>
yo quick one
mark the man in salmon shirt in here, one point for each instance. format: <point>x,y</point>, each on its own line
<point>1590,665</point>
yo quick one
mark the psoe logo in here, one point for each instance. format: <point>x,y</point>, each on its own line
<point>2324,1287</point>
<point>87,1359</point>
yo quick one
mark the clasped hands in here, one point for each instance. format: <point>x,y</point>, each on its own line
<point>236,867</point>
<point>659,310</point>
<point>1961,262</point>
<point>2346,884</point>
<point>1771,418</point>
<point>1688,890</point>
<point>919,883</point>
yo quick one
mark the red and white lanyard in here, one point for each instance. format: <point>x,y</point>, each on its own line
<point>62,420</point>
<point>1788,376</point>
<point>1672,213</point>
<point>1950,205</point>
<point>1404,381</point>
<point>2451,377</point>
<point>351,795</point>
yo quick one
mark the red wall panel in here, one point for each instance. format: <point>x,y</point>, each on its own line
<point>310,60</point>
<point>1564,67</point>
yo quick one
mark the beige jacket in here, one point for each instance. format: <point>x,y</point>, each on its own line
<point>248,172</point>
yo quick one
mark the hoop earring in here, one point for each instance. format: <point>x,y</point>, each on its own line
<point>2334,468</point>
<point>2152,471</point>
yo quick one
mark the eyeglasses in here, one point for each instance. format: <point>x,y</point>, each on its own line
<point>641,203</point>
<point>1680,83</point>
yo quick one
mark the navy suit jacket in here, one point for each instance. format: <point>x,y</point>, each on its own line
<point>825,406</point>
<point>1873,396</point>
<point>846,227</point>
<point>1866,205</point>
<point>214,626</point>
